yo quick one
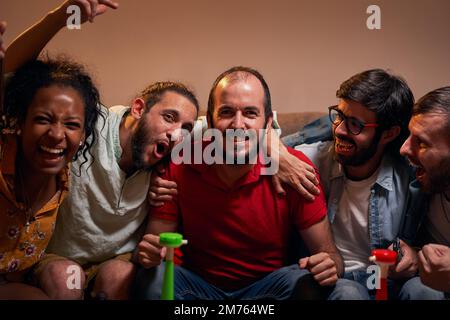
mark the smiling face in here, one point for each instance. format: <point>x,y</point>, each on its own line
<point>239,104</point>
<point>428,149</point>
<point>350,149</point>
<point>53,129</point>
<point>152,140</point>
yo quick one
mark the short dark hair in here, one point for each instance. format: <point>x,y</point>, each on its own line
<point>154,93</point>
<point>436,101</point>
<point>23,85</point>
<point>389,96</point>
<point>240,73</point>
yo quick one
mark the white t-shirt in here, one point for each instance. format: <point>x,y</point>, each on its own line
<point>438,220</point>
<point>350,226</point>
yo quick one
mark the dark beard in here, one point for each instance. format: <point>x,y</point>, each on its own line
<point>138,142</point>
<point>362,155</point>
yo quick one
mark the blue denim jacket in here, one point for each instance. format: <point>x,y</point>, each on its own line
<point>388,194</point>
<point>396,205</point>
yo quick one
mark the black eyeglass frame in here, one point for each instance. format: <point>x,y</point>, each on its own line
<point>342,117</point>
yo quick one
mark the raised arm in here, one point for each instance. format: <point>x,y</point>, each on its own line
<point>29,44</point>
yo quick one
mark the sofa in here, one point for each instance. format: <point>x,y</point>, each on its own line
<point>293,122</point>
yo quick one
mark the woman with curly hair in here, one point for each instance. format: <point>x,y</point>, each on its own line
<point>50,110</point>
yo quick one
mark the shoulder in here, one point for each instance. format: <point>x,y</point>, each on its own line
<point>176,171</point>
<point>320,153</point>
<point>184,156</point>
<point>114,112</point>
<point>316,149</point>
<point>299,155</point>
<point>111,118</point>
<point>117,109</point>
<point>401,169</point>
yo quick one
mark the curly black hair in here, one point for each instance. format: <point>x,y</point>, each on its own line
<point>23,85</point>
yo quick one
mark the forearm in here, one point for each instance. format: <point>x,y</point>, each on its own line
<point>29,44</point>
<point>319,240</point>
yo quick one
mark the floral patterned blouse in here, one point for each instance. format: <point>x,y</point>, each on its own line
<point>21,244</point>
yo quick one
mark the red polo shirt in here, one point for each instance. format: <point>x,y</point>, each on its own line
<point>240,234</point>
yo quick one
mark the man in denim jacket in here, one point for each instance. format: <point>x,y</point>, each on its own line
<point>366,182</point>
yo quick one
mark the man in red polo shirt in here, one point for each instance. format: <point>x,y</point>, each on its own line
<point>237,226</point>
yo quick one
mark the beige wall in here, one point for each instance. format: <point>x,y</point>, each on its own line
<point>304,48</point>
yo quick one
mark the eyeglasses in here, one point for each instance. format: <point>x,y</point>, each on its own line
<point>353,125</point>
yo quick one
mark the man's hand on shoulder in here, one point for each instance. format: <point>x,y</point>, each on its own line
<point>298,174</point>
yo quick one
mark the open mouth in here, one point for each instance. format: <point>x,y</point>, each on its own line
<point>343,146</point>
<point>161,149</point>
<point>241,139</point>
<point>240,143</point>
<point>420,172</point>
<point>55,152</point>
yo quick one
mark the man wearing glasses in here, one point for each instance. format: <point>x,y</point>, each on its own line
<point>366,181</point>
